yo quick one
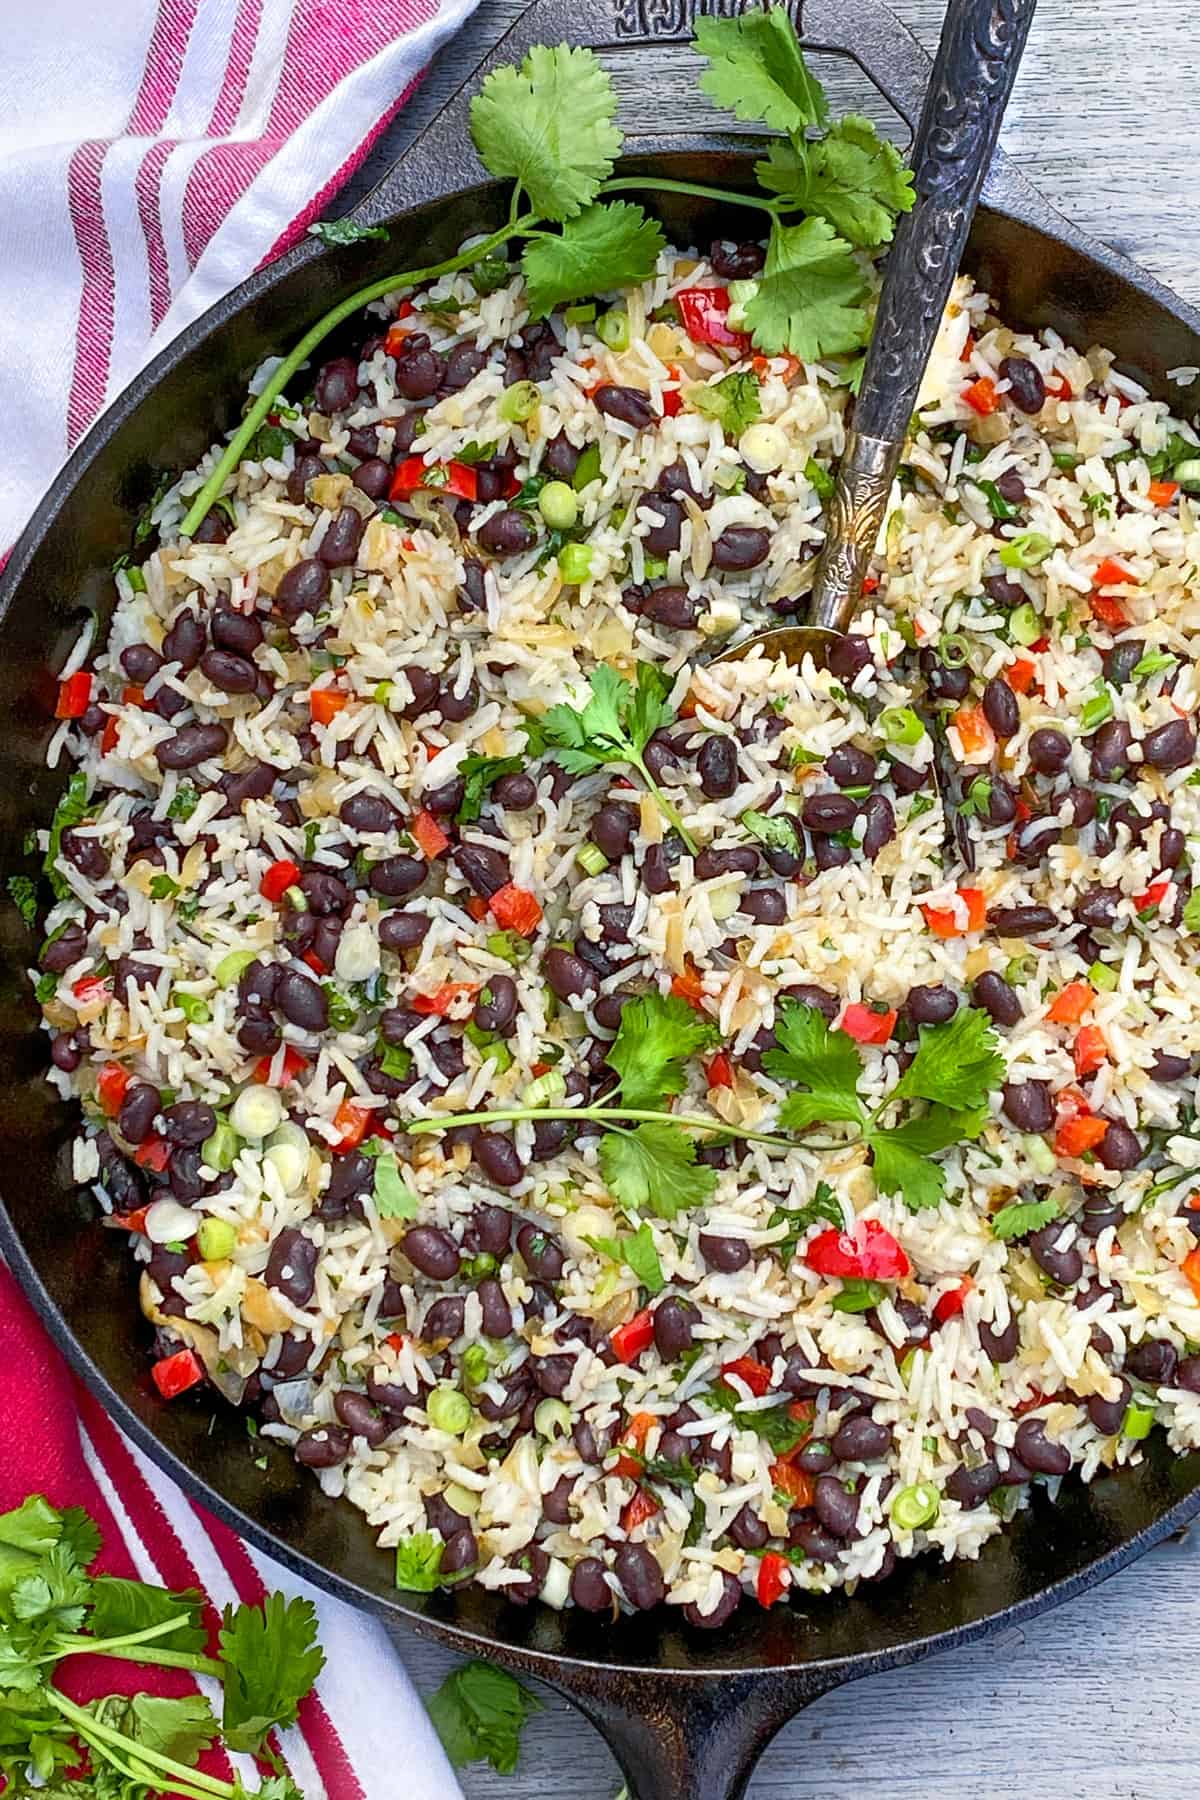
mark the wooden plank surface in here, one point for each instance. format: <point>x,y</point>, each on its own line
<point>1098,1697</point>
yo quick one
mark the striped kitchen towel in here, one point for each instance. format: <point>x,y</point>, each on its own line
<point>152,155</point>
<point>362,1723</point>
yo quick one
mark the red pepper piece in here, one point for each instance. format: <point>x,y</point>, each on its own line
<point>175,1374</point>
<point>278,879</point>
<point>867,1027</point>
<point>774,1578</point>
<point>293,1064</point>
<point>637,1334</point>
<point>754,1375</point>
<point>515,909</point>
<point>111,1084</point>
<point>868,1253</point>
<point>703,312</point>
<point>74,695</point>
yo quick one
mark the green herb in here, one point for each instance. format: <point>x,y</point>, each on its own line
<point>1155,662</point>
<point>1095,710</point>
<point>1025,1215</point>
<point>395,1061</point>
<point>656,1039</point>
<point>777,832</point>
<point>269,441</point>
<point>22,891</point>
<point>819,479</point>
<point>162,887</point>
<point>654,1169</point>
<point>823,1205</point>
<point>859,1296</point>
<point>851,177</point>
<point>774,1424</point>
<point>490,275</point>
<point>184,801</point>
<point>394,1199</point>
<point>419,1562</point>
<point>71,810</point>
<point>45,987</point>
<point>273,1658</point>
<point>998,506</point>
<point>922,803</point>
<point>1191,912</point>
<point>1176,450</point>
<point>145,526</point>
<point>733,402</point>
<point>345,231</point>
<point>977,799</point>
<point>479,1713</point>
<point>612,246</point>
<point>479,774</point>
<point>638,1253</point>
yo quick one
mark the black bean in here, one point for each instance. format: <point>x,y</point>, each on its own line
<point>397,876</point>
<point>1171,847</point>
<point>1166,1067</point>
<point>608,1009</point>
<point>741,547</point>
<point>400,931</point>
<point>880,825</point>
<point>1000,708</point>
<point>1034,838</point>
<point>849,655</point>
<point>1038,1452</point>
<point>1021,921</point>
<point>736,262</point>
<point>339,546</point>
<point>482,868</point>
<point>663,535</point>
<point>337,385</point>
<point>65,949</point>
<point>66,1055</point>
<point>139,1109</point>
<point>432,1251</point>
<point>444,1318</point>
<point>814,1540</point>
<point>671,606</point>
<point>373,477</point>
<point>541,1252</point>
<point>613,827</point>
<point>189,1122</point>
<point>141,663</point>
<point>1003,591</point>
<point>809,994</point>
<point>766,906</point>
<point>461,1552</point>
<point>507,533</point>
<point>496,1007</point>
<point>1027,390</point>
<point>1048,750</point>
<point>1011,488</point>
<point>628,404</point>
<point>724,1253</point>
<point>566,975</point>
<point>675,1320</point>
<point>419,369</point>
<point>747,1530</point>
<point>191,745</point>
<point>1188,1375</point>
<point>997,999</point>
<point>971,1487</point>
<point>291,1266</point>
<point>325,892</point>
<point>306,468</point>
<point>360,1418</point>
<point>861,1439</point>
<point>1002,803</point>
<point>349,1176</point>
<point>1170,746</point>
<point>1109,1415</point>
<point>497,1313</point>
<point>656,866</point>
<point>561,457</point>
<point>641,1579</point>
<point>829,813</point>
<point>835,1508</point>
<point>589,1589</point>
<point>850,767</point>
<point>1120,1148</point>
<point>931,1005</point>
<point>86,853</point>
<point>304,589</point>
<point>496,1155</point>
<point>1000,1346</point>
<point>1153,1361</point>
<point>1062,1266</point>
<point>1110,750</point>
<point>184,643</point>
<point>259,1035</point>
<point>368,812</point>
<point>943,681</point>
<point>302,1001</point>
<point>1122,660</point>
<point>237,631</point>
<point>1096,908</point>
<point>231,674</point>
<point>742,860</point>
<point>462,365</point>
<point>322,1447</point>
<point>515,793</point>
<point>446,799</point>
<point>1029,1105</point>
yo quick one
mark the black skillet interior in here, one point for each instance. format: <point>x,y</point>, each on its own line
<point>656,1690</point>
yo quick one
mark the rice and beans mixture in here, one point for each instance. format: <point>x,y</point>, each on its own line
<point>302,907</point>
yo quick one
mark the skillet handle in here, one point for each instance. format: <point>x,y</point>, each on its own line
<point>681,1736</point>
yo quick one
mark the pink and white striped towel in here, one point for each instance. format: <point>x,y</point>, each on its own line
<point>152,155</point>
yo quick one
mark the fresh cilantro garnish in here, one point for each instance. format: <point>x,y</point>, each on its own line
<point>810,297</point>
<point>853,178</point>
<point>673,1474</point>
<point>774,1424</point>
<point>858,1296</point>
<point>343,1013</point>
<point>395,1060</point>
<point>479,1713</point>
<point>654,1169</point>
<point>1023,1216</point>
<point>606,247</point>
<point>637,1253</point>
<point>145,526</point>
<point>394,1199</point>
<point>549,127</point>
<point>121,1607</point>
<point>777,831</point>
<point>826,1063</point>
<point>733,401</point>
<point>614,726</point>
<point>184,801</point>
<point>957,1064</point>
<point>71,810</point>
<point>757,71</point>
<point>345,231</point>
<point>270,441</point>
<point>162,887</point>
<point>271,1658</point>
<point>479,773</point>
<point>419,1562</point>
<point>657,1036</point>
<point>823,1205</point>
<point>23,894</point>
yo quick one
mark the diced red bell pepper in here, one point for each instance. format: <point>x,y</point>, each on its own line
<point>1075,1137</point>
<point>793,1482</point>
<point>130,1221</point>
<point>1109,611</point>
<point>111,1084</point>
<point>1153,896</point>
<point>110,734</point>
<point>477,906</point>
<point>631,1445</point>
<point>754,1375</point>
<point>278,879</point>
<point>74,695</point>
<point>868,1253</point>
<point>870,584</point>
<point>951,1303</point>
<point>718,1071</point>
<point>636,1511</point>
<point>456,478</point>
<point>175,1374</point>
<point>443,998</point>
<point>91,988</point>
<point>325,703</point>
<point>1021,675</point>
<point>802,1409</point>
<point>637,1334</point>
<point>154,1153</point>
<point>688,986</point>
<point>1191,1269</point>
<point>428,836</point>
<point>314,962</point>
<point>1110,573</point>
<point>1071,1002</point>
<point>774,1578</point>
<point>867,1027</point>
<point>351,1121</point>
<point>1161,493</point>
<point>1059,388</point>
<point>974,732</point>
<point>672,400</point>
<point>136,696</point>
<point>981,395</point>
<point>703,312</point>
<point>293,1064</point>
<point>943,923</point>
<point>1090,1050</point>
<point>395,1340</point>
<point>515,909</point>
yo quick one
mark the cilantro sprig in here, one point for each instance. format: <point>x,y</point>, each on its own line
<point>478,1712</point>
<point>831,190</point>
<point>139,1745</point>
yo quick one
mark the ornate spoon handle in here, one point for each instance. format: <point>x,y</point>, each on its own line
<point>973,76</point>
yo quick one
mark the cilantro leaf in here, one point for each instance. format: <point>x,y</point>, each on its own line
<point>758,72</point>
<point>957,1063</point>
<point>549,126</point>
<point>774,1424</point>
<point>345,231</point>
<point>656,1036</point>
<point>80,1535</point>
<point>272,1659</point>
<point>181,1729</point>
<point>810,293</point>
<point>23,894</point>
<point>900,1169</point>
<point>859,1296</point>
<point>17,1672</point>
<point>733,401</point>
<point>649,706</point>
<point>1023,1216</point>
<point>419,1562</point>
<point>394,1199</point>
<point>777,832</point>
<point>1191,912</point>
<point>479,1712</point>
<point>612,246</point>
<point>35,1526</point>
<point>638,1253</point>
<point>479,773</point>
<point>823,1205</point>
<point>56,1592</point>
<point>120,1607</point>
<point>825,1061</point>
<point>654,1169</point>
<point>71,810</point>
<point>855,179</point>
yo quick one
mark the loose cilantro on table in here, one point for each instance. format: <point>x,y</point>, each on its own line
<point>831,191</point>
<point>22,891</point>
<point>133,1745</point>
<point>345,231</point>
<point>479,1713</point>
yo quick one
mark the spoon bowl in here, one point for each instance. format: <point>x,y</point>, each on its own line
<point>792,642</point>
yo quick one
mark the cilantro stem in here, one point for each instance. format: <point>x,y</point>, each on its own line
<point>633,184</point>
<point>128,1646</point>
<point>112,1743</point>
<point>316,334</point>
<point>661,801</point>
<point>604,1115</point>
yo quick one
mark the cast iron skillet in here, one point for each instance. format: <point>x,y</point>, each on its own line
<point>686,1713</point>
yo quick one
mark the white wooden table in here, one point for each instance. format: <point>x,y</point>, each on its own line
<point>1098,1698</point>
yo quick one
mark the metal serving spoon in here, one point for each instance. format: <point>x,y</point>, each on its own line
<point>973,75</point>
